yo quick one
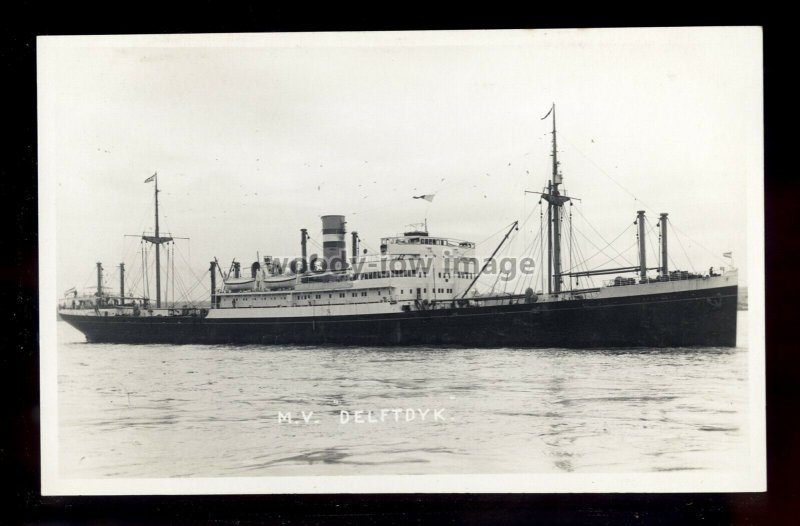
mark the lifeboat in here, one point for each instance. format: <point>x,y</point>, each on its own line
<point>238,284</point>
<point>282,280</point>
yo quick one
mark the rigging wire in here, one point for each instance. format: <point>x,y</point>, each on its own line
<point>673,266</point>
<point>613,258</point>
<point>188,265</point>
<point>648,207</point>
<point>716,255</point>
<point>130,275</point>
<point>585,266</point>
<point>541,242</point>
<point>145,284</point>
<point>681,245</point>
<point>561,134</point>
<point>606,262</point>
<point>173,271</point>
<point>132,284</point>
<point>527,283</point>
<point>598,233</point>
<point>492,235</point>
<point>187,292</point>
<point>508,247</point>
<point>369,248</point>
<point>570,240</point>
<point>528,248</point>
<point>660,263</point>
<point>650,237</point>
<point>483,276</point>
<point>600,251</point>
<point>166,279</point>
<point>504,251</point>
<point>319,247</point>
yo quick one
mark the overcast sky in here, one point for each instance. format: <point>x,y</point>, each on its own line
<point>256,136</point>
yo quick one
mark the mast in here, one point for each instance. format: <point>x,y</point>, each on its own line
<point>556,215</point>
<point>157,240</point>
<point>158,251</point>
<point>549,239</point>
<point>555,202</point>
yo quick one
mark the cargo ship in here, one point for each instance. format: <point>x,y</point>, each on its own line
<point>421,290</point>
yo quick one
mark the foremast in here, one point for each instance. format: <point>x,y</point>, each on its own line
<point>157,240</point>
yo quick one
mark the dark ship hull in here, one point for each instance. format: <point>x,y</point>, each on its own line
<point>704,317</point>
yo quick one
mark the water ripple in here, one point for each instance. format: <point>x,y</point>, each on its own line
<point>193,410</point>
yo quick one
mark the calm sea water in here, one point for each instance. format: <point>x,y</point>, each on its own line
<point>182,411</point>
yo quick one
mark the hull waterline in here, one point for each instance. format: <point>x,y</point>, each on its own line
<point>689,318</point>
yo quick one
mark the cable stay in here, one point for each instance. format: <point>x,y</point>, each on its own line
<point>131,280</point>
<point>513,227</point>
<point>683,249</point>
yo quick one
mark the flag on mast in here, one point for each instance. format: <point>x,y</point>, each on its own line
<point>728,255</point>
<point>152,177</point>
<point>427,197</point>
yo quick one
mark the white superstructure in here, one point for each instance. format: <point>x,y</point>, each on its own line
<point>414,268</point>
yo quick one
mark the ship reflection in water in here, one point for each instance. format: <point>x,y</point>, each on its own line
<point>183,411</point>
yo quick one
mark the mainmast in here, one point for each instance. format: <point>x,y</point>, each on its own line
<point>555,202</point>
<point>157,240</point>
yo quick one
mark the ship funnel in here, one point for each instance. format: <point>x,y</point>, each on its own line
<point>334,250</point>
